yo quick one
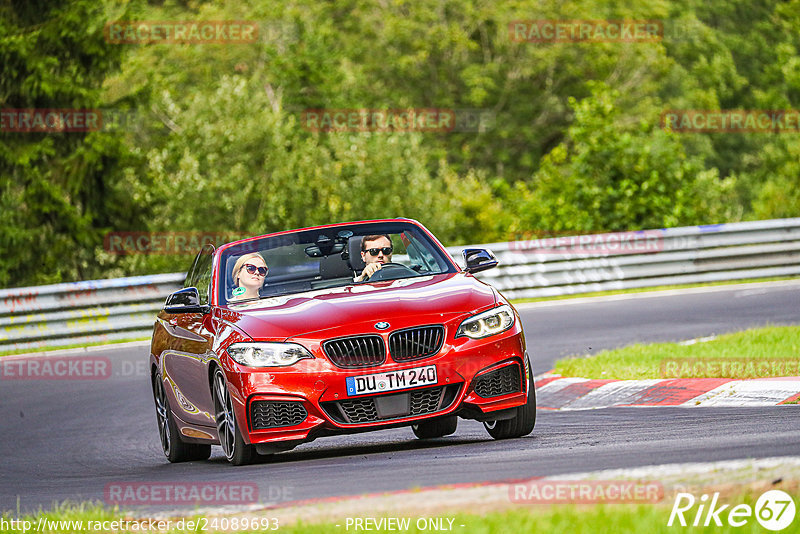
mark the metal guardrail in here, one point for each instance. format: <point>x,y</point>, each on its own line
<point>83,312</point>
<point>685,255</point>
<point>104,310</point>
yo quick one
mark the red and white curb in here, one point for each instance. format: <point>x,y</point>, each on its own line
<point>554,392</point>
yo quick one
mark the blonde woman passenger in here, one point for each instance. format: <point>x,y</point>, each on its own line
<point>249,273</point>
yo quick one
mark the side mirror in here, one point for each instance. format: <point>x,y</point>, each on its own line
<point>478,259</point>
<point>186,300</point>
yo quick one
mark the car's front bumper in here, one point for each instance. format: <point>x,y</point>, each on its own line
<point>475,378</point>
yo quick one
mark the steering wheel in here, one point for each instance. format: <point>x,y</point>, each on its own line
<point>386,271</point>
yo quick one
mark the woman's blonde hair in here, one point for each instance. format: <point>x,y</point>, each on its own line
<point>240,263</point>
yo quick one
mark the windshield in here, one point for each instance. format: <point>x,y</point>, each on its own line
<point>310,260</point>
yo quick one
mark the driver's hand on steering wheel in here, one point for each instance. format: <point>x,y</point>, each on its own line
<point>369,270</point>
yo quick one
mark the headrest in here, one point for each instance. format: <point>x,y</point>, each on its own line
<point>354,249</point>
<point>334,266</point>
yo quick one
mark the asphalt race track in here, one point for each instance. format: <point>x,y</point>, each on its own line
<point>68,439</point>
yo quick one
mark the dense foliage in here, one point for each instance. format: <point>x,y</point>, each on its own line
<point>214,138</point>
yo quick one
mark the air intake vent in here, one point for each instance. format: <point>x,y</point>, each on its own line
<point>366,410</point>
<point>271,414</point>
<point>499,382</point>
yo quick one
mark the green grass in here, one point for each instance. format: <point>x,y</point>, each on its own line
<point>73,346</point>
<point>545,519</point>
<point>755,353</point>
<point>654,288</point>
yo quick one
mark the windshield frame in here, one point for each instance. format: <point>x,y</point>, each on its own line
<point>263,243</point>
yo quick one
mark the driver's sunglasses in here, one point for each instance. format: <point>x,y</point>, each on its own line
<point>375,251</point>
<point>252,269</point>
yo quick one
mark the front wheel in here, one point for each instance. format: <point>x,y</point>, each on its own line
<point>522,423</point>
<point>236,450</point>
<point>175,449</point>
<point>436,428</point>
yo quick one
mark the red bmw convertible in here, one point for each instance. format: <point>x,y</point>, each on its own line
<point>277,340</point>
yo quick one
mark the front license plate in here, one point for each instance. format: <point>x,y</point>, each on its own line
<point>391,381</point>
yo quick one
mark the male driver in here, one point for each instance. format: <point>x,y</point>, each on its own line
<point>375,251</point>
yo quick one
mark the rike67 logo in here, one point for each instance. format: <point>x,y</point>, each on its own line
<point>774,510</point>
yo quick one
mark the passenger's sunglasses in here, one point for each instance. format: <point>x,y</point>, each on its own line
<point>252,269</point>
<point>375,251</point>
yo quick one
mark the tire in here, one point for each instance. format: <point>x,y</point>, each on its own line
<point>175,449</point>
<point>436,428</point>
<point>230,438</point>
<point>522,423</point>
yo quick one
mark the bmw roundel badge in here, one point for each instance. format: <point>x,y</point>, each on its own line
<point>383,325</point>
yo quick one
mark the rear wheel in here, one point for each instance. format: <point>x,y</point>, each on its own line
<point>436,428</point>
<point>522,423</point>
<point>236,450</point>
<point>175,449</point>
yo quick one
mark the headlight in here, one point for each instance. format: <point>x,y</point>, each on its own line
<point>268,354</point>
<point>487,323</point>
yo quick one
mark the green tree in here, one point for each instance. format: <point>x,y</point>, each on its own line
<point>609,175</point>
<point>57,190</point>
<point>219,147</point>
<point>236,161</point>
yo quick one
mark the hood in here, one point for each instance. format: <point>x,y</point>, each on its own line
<point>404,301</point>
